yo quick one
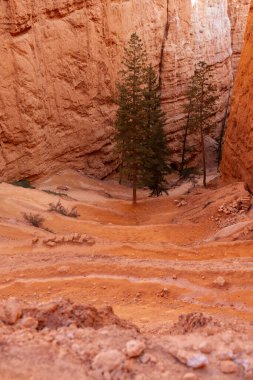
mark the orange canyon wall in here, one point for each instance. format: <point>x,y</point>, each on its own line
<point>59,63</point>
<point>237,162</point>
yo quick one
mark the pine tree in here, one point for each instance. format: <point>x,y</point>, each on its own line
<point>155,165</point>
<point>187,127</point>
<point>130,136</point>
<point>201,106</point>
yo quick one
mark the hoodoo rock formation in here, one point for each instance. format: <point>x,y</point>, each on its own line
<point>59,63</point>
<point>237,160</point>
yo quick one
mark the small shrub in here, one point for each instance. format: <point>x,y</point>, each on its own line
<point>60,209</point>
<point>54,193</point>
<point>23,183</point>
<point>34,220</point>
<point>187,172</point>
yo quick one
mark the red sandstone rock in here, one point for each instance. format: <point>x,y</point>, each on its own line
<point>59,64</point>
<point>237,163</point>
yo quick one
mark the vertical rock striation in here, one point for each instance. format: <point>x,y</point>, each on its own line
<point>59,63</point>
<point>237,162</point>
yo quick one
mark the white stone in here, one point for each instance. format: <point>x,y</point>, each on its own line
<point>220,281</point>
<point>135,348</point>
<point>107,361</point>
<point>29,322</point>
<point>197,361</point>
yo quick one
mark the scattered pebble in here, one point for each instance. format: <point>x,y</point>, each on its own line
<point>107,361</point>
<point>206,347</point>
<point>29,323</point>
<point>227,366</point>
<point>135,348</point>
<point>11,312</point>
<point>220,281</point>
<point>190,376</point>
<point>197,361</point>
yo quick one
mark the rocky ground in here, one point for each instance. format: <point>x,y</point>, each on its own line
<point>178,269</point>
<point>59,339</point>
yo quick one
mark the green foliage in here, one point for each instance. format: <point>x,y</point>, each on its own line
<point>60,209</point>
<point>155,164</point>
<point>34,220</point>
<point>188,172</point>
<point>202,99</point>
<point>200,108</point>
<point>187,128</point>
<point>23,183</point>
<point>140,120</point>
<point>130,115</point>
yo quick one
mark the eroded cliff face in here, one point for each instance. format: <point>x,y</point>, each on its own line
<point>59,63</point>
<point>237,160</point>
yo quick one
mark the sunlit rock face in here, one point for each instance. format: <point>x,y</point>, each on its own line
<point>59,63</point>
<point>237,163</point>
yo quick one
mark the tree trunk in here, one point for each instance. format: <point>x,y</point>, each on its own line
<point>204,156</point>
<point>134,189</point>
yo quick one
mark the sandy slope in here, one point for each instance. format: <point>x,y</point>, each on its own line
<point>137,252</point>
<point>154,241</point>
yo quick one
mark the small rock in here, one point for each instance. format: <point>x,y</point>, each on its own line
<point>206,347</point>
<point>35,240</point>
<point>227,366</point>
<point>12,311</point>
<point>220,281</point>
<point>146,358</point>
<point>174,277</point>
<point>190,376</point>
<point>135,348</point>
<point>29,323</point>
<point>107,361</point>
<point>197,361</point>
<point>50,244</point>
<point>164,293</point>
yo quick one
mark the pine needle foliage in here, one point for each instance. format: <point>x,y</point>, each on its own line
<point>139,119</point>
<point>130,115</point>
<point>187,127</point>
<point>201,107</point>
<point>155,167</point>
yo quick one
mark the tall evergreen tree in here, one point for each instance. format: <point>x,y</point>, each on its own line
<point>130,126</point>
<point>155,165</point>
<point>187,128</point>
<point>201,106</point>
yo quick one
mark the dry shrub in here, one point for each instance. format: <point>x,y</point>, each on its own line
<point>60,209</point>
<point>34,220</point>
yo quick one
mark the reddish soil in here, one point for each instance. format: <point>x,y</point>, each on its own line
<point>151,262</point>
